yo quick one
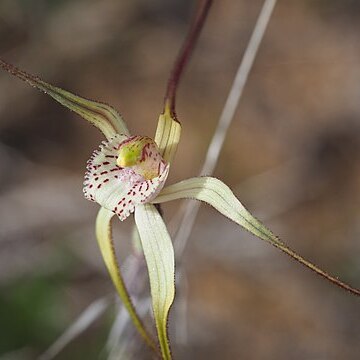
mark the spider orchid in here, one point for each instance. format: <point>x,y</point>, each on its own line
<point>127,174</point>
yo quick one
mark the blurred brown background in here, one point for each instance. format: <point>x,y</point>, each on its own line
<point>292,156</point>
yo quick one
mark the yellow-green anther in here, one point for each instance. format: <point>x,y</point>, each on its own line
<point>131,151</point>
<point>141,154</point>
<point>128,155</point>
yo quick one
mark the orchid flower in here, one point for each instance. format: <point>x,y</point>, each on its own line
<point>127,174</point>
<point>124,176</point>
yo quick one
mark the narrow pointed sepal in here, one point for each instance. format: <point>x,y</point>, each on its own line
<point>215,193</point>
<point>101,115</point>
<point>105,241</point>
<point>159,256</point>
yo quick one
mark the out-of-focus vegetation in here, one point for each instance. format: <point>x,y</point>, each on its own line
<point>292,156</point>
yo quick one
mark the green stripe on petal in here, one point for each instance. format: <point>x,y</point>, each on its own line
<point>217,194</point>
<point>159,256</point>
<point>101,115</point>
<point>106,244</point>
<point>167,135</point>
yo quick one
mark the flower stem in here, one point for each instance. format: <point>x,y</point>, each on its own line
<point>185,54</point>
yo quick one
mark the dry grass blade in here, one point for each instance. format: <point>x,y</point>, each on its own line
<point>115,341</point>
<point>86,318</point>
<point>191,209</point>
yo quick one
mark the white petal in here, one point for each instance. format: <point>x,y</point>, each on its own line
<point>115,188</point>
<point>217,194</point>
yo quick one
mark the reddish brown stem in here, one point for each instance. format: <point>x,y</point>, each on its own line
<point>185,54</point>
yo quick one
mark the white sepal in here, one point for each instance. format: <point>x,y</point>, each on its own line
<point>159,256</point>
